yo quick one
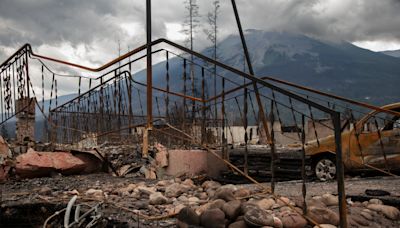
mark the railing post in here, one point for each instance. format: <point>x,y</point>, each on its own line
<point>340,169</point>
<point>149,80</point>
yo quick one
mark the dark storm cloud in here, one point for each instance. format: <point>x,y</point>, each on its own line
<point>53,22</point>
<point>328,19</point>
<point>45,21</point>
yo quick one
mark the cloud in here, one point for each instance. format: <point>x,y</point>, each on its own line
<point>88,31</point>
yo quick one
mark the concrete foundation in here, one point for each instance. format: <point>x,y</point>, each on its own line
<point>193,162</point>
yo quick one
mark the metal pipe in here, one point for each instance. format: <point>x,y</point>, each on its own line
<point>340,170</point>
<point>149,66</point>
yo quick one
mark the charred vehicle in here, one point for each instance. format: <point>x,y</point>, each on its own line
<point>373,142</point>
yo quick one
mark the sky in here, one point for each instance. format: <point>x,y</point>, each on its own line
<point>92,32</point>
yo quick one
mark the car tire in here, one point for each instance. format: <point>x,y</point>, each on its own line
<point>325,168</point>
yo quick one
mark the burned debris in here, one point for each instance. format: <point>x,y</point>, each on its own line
<point>130,151</point>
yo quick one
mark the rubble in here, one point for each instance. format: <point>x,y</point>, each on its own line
<point>225,207</point>
<point>37,164</point>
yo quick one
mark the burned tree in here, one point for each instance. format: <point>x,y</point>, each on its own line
<point>189,28</point>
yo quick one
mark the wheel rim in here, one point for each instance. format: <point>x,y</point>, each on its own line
<point>325,169</point>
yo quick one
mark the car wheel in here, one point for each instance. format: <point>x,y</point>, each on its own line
<point>325,169</point>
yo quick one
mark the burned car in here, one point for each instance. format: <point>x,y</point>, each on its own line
<point>373,142</point>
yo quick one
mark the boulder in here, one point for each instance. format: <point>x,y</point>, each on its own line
<point>37,164</point>
<point>157,198</point>
<point>265,204</point>
<point>210,185</point>
<point>145,190</point>
<point>238,224</point>
<point>325,226</point>
<point>247,206</point>
<point>232,209</point>
<point>242,193</point>
<point>389,211</point>
<point>330,200</point>
<point>257,217</point>
<point>284,201</point>
<point>193,200</point>
<point>189,183</point>
<point>375,201</point>
<point>188,216</point>
<point>323,215</point>
<point>367,214</point>
<point>213,218</point>
<point>357,220</point>
<point>96,193</point>
<point>224,194</point>
<point>175,190</point>
<point>292,219</point>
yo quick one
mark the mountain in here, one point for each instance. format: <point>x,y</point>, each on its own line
<point>394,53</point>
<point>340,68</point>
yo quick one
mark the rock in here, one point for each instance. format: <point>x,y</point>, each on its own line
<point>126,191</point>
<point>291,219</point>
<point>315,202</point>
<point>164,183</point>
<point>375,201</point>
<point>277,222</point>
<point>202,195</point>
<point>145,190</point>
<point>225,194</point>
<point>38,164</point>
<point>265,204</point>
<point>213,218</point>
<point>183,198</point>
<point>97,193</point>
<point>218,203</point>
<point>210,185</point>
<point>232,209</point>
<point>389,211</point>
<point>284,201</point>
<point>157,198</point>
<point>175,190</point>
<point>367,214</point>
<point>357,220</point>
<point>330,200</point>
<point>238,224</point>
<point>325,226</point>
<point>189,183</point>
<point>193,200</point>
<point>161,155</point>
<point>242,193</point>
<point>188,216</point>
<point>210,192</point>
<point>247,206</point>
<point>45,191</point>
<point>323,215</point>
<point>231,187</point>
<point>257,217</point>
<point>141,204</point>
